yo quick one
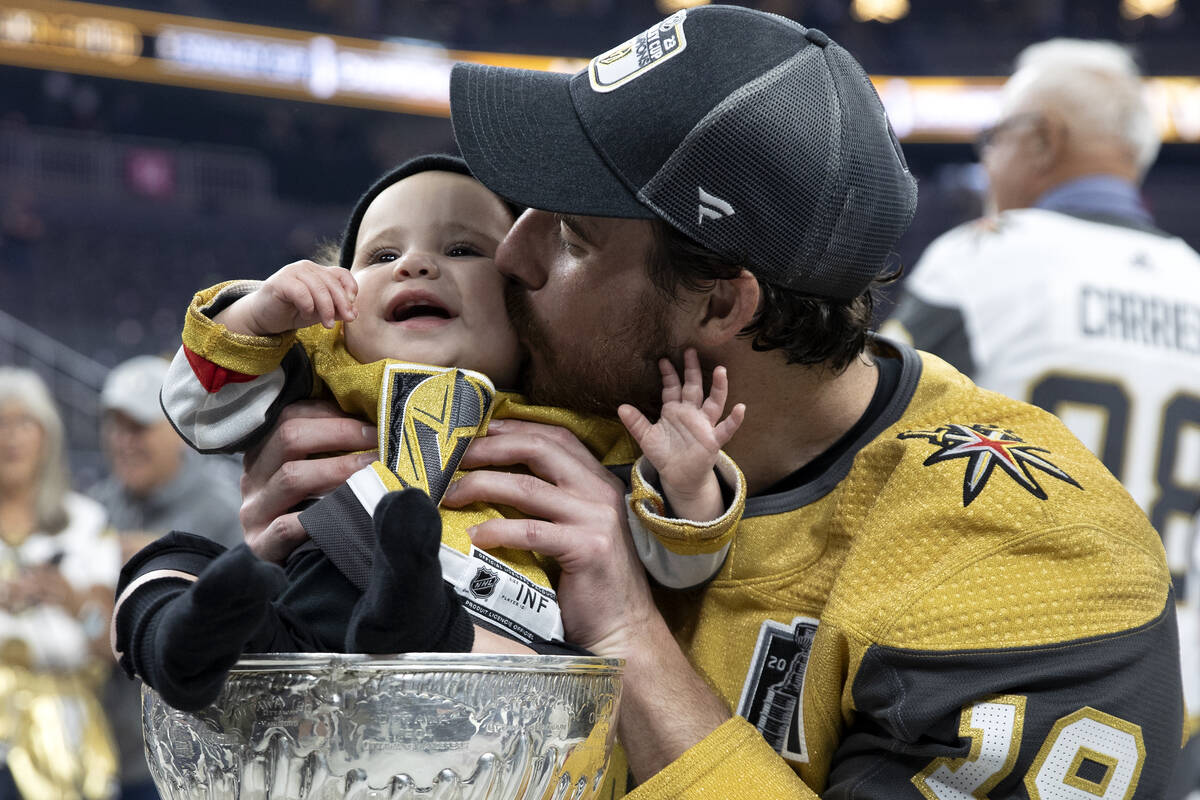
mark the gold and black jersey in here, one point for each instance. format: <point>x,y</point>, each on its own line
<point>1108,339</point>
<point>965,605</point>
<point>224,391</point>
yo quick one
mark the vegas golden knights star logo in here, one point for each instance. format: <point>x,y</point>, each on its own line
<point>986,447</point>
<point>427,417</point>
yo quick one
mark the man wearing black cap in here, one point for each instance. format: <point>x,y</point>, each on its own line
<point>935,592</point>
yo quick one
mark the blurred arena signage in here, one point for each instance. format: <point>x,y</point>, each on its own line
<point>131,44</point>
<point>955,109</point>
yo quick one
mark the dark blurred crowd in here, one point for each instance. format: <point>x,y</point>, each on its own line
<point>934,37</point>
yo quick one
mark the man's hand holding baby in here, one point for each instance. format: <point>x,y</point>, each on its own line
<point>301,294</point>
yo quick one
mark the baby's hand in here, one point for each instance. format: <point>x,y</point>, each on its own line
<point>301,294</point>
<point>684,443</point>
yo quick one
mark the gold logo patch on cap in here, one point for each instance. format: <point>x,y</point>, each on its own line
<point>639,55</point>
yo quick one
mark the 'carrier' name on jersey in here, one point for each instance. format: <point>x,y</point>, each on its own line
<point>1139,319</point>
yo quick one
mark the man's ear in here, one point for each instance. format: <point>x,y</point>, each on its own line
<point>1051,134</point>
<point>727,308</point>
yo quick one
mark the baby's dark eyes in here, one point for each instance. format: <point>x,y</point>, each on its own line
<point>456,250</point>
<point>463,250</point>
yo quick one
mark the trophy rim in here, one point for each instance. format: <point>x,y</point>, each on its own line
<point>429,662</point>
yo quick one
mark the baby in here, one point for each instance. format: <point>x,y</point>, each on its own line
<point>411,333</point>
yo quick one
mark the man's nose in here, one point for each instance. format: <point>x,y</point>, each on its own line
<point>518,257</point>
<point>415,265</point>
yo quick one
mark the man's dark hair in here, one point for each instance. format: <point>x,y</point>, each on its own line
<point>809,329</point>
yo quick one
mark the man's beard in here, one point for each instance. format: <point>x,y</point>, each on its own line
<point>599,374</point>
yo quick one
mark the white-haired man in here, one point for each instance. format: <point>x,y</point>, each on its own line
<point>1069,297</point>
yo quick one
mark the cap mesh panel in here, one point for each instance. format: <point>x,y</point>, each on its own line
<point>804,156</point>
<point>882,196</point>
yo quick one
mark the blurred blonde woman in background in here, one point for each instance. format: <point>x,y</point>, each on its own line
<point>58,567</point>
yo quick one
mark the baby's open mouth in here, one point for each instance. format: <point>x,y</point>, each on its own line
<point>417,311</point>
<point>418,306</point>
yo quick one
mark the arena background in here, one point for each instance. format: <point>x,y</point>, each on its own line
<point>149,149</point>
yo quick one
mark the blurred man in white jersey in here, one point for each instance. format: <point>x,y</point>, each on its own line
<point>1068,297</point>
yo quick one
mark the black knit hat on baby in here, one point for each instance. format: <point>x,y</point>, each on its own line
<point>433,162</point>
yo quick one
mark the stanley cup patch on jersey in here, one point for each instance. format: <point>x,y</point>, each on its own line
<point>985,447</point>
<point>773,695</point>
<point>639,55</point>
<point>427,418</point>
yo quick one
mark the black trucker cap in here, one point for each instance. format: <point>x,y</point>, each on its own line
<point>759,138</point>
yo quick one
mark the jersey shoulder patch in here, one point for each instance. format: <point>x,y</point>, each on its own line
<point>986,448</point>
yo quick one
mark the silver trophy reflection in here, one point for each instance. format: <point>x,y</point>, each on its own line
<point>461,726</point>
<point>301,726</point>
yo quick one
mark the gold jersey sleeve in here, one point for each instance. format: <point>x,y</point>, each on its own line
<point>968,605</point>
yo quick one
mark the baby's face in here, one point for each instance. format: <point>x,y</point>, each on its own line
<point>428,289</point>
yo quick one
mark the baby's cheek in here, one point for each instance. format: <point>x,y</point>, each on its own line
<point>354,333</point>
<point>510,357</point>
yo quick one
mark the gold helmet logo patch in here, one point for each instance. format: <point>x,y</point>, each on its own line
<point>427,418</point>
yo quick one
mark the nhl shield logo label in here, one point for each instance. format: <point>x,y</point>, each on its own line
<point>484,582</point>
<point>772,697</point>
<point>986,447</point>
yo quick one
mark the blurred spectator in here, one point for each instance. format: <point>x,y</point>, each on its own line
<point>58,569</point>
<point>1070,298</point>
<point>156,485</point>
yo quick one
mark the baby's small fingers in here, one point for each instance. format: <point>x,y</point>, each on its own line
<point>324,307</point>
<point>346,278</point>
<point>726,428</point>
<point>634,421</point>
<point>347,281</point>
<point>304,271</point>
<point>670,381</point>
<point>714,406</point>
<point>693,378</point>
<point>298,293</point>
<point>344,289</point>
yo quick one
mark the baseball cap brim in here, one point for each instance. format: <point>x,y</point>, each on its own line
<point>133,387</point>
<point>520,135</point>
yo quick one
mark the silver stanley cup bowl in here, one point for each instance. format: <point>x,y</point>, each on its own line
<point>413,727</point>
